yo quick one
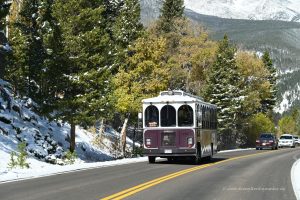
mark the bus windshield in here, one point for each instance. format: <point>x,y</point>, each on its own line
<point>168,116</point>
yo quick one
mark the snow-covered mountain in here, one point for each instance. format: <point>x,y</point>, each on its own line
<point>150,10</point>
<point>285,10</point>
<point>281,38</point>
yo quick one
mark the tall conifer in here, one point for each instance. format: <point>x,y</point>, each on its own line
<point>29,52</point>
<point>171,11</point>
<point>223,91</point>
<point>4,48</point>
<point>123,26</point>
<point>86,44</point>
<point>269,103</point>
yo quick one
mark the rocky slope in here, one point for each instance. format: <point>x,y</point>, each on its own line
<point>46,140</point>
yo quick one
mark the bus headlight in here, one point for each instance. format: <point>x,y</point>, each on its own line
<point>190,141</point>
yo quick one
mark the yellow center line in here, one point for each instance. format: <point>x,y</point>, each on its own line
<point>130,191</point>
<point>153,181</point>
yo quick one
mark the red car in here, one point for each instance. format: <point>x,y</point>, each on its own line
<point>267,141</point>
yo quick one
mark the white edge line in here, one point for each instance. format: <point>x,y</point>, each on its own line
<point>294,178</point>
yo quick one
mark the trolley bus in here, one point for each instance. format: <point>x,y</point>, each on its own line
<point>178,124</point>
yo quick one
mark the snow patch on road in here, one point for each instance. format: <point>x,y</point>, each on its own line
<point>295,176</point>
<point>233,150</point>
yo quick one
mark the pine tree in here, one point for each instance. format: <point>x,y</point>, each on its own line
<point>269,103</point>
<point>171,11</point>
<point>86,45</point>
<point>127,28</point>
<point>4,49</point>
<point>38,64</point>
<point>122,19</point>
<point>110,14</point>
<point>223,91</point>
<point>54,66</point>
<point>172,25</point>
<point>29,52</point>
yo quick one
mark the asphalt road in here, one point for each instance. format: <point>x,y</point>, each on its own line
<point>227,176</point>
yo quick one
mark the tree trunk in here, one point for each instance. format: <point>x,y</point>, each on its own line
<point>123,136</point>
<point>101,129</point>
<point>72,139</point>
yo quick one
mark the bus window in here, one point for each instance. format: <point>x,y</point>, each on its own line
<point>151,116</point>
<point>199,116</point>
<point>203,117</point>
<point>207,117</point>
<point>168,116</point>
<point>185,116</point>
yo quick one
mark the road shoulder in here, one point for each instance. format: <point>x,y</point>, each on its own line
<point>295,176</point>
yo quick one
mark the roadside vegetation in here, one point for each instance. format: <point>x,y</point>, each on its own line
<point>100,63</point>
<point>19,159</point>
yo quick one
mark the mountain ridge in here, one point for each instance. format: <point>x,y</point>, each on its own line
<point>283,10</point>
<point>280,38</point>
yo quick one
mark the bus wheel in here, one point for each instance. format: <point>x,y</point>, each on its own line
<point>151,159</point>
<point>170,159</point>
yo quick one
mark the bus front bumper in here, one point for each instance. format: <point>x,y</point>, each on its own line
<point>165,152</point>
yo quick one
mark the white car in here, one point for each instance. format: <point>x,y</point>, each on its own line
<point>297,140</point>
<point>286,140</point>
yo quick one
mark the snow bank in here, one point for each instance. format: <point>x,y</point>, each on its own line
<point>48,141</point>
<point>42,169</point>
<point>295,176</point>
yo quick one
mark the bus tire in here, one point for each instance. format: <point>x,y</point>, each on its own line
<point>212,150</point>
<point>151,159</point>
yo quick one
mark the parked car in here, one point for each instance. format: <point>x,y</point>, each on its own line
<point>297,140</point>
<point>286,140</point>
<point>267,141</point>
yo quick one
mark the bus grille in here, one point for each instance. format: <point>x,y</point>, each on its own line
<point>168,139</point>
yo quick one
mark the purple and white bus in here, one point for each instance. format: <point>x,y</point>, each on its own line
<point>178,124</point>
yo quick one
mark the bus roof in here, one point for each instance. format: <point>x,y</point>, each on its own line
<point>175,96</point>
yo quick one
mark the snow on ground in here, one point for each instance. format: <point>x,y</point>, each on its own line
<point>295,176</point>
<point>41,169</point>
<point>48,141</point>
<point>288,98</point>
<point>89,156</point>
